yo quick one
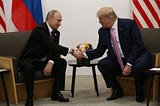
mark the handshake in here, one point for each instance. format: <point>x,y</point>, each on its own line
<point>77,54</point>
<point>79,51</point>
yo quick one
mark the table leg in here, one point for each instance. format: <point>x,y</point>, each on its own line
<point>5,91</point>
<point>150,88</point>
<point>95,80</point>
<point>73,80</point>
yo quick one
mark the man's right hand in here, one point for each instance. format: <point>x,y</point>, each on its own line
<point>127,70</point>
<point>79,54</point>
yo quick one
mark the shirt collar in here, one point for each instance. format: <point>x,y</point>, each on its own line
<point>50,29</point>
<point>115,24</point>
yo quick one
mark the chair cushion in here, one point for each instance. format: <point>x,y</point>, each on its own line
<point>38,76</point>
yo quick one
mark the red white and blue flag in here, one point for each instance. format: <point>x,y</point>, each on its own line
<point>2,18</point>
<point>146,13</point>
<point>21,15</point>
<point>26,14</point>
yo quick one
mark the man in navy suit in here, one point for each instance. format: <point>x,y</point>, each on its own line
<point>133,53</point>
<point>42,51</point>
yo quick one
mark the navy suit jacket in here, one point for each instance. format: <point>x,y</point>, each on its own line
<point>130,41</point>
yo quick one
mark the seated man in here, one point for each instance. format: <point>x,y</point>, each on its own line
<point>43,51</point>
<point>126,52</point>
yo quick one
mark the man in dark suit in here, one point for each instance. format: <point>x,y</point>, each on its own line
<point>43,51</point>
<point>133,57</point>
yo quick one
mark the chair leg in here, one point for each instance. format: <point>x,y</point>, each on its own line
<point>73,80</point>
<point>95,80</point>
<point>150,88</point>
<point>5,91</point>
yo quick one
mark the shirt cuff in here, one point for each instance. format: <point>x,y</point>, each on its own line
<point>71,51</point>
<point>51,61</point>
<point>85,55</point>
<point>129,64</point>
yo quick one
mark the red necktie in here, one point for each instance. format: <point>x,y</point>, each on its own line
<point>52,36</point>
<point>116,48</point>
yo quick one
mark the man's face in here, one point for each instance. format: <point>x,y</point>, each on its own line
<point>105,22</point>
<point>55,21</point>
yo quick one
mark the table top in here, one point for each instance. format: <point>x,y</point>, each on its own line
<point>91,63</point>
<point>3,70</point>
<point>155,70</point>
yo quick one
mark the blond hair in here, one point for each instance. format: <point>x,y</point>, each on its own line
<point>107,12</point>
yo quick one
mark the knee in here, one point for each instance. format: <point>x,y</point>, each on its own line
<point>138,68</point>
<point>138,71</point>
<point>63,62</point>
<point>27,67</point>
<point>102,66</point>
<point>60,65</point>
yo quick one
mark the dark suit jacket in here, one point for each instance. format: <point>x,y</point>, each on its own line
<point>39,45</point>
<point>130,41</point>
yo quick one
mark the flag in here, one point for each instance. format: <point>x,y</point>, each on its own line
<point>146,13</point>
<point>2,18</point>
<point>26,14</point>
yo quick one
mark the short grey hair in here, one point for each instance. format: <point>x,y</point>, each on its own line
<point>107,12</point>
<point>51,14</point>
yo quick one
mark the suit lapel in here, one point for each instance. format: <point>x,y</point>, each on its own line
<point>108,41</point>
<point>121,34</point>
<point>120,31</point>
<point>46,28</point>
<point>57,34</point>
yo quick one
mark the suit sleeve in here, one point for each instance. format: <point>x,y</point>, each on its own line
<point>137,46</point>
<point>99,50</point>
<point>42,36</point>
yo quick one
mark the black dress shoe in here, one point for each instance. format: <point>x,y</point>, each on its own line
<point>139,96</point>
<point>116,94</point>
<point>29,101</point>
<point>59,97</point>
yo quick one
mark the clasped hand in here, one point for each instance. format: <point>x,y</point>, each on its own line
<point>78,54</point>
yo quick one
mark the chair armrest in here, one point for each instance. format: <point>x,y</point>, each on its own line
<point>156,59</point>
<point>7,62</point>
